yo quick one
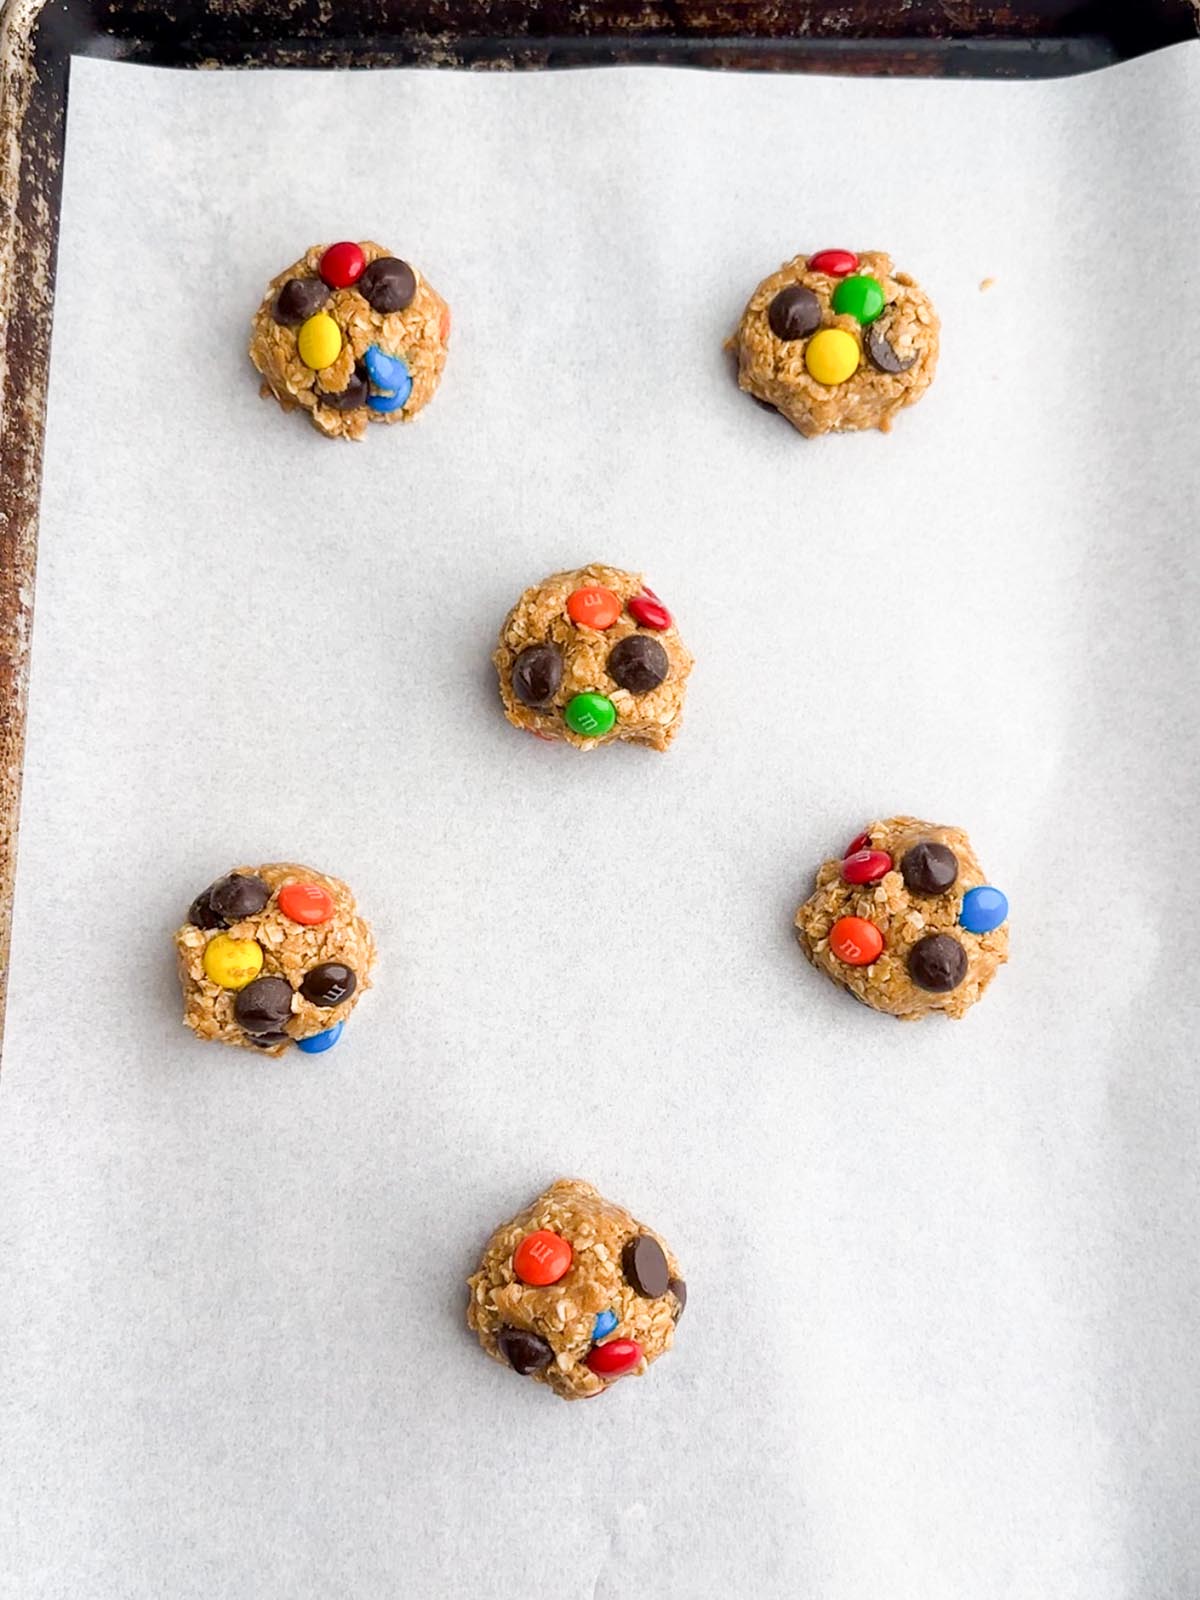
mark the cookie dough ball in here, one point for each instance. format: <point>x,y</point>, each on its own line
<point>590,657</point>
<point>837,342</point>
<point>353,335</point>
<point>273,956</point>
<point>575,1293</point>
<point>906,920</point>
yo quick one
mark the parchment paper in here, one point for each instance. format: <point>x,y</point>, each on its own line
<point>944,1282</point>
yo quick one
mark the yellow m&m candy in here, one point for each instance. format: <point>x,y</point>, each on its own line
<point>232,962</point>
<point>831,355</point>
<point>319,341</point>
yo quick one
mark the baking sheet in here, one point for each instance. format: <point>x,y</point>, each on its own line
<point>943,1279</point>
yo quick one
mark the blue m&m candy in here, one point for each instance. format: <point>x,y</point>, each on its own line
<point>390,379</point>
<point>604,1324</point>
<point>983,909</point>
<point>317,1043</point>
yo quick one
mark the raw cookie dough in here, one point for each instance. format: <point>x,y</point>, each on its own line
<point>590,657</point>
<point>837,342</point>
<point>907,921</point>
<point>353,335</point>
<point>273,956</point>
<point>575,1293</point>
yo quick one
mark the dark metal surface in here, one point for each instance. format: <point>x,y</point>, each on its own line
<point>959,38</point>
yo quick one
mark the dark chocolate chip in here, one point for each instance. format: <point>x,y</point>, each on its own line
<point>937,963</point>
<point>264,1005</point>
<point>299,299</point>
<point>794,312</point>
<point>536,674</point>
<point>638,664</point>
<point>880,352</point>
<point>201,913</point>
<point>525,1352</point>
<point>348,399</point>
<point>645,1266</point>
<point>679,1289</point>
<point>929,868</point>
<point>264,1041</point>
<point>238,895</point>
<point>329,984</point>
<point>388,284</point>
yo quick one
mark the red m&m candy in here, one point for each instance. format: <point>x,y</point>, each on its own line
<point>837,263</point>
<point>307,903</point>
<point>541,1258</point>
<point>343,264</point>
<point>860,841</point>
<point>649,610</point>
<point>866,866</point>
<point>615,1358</point>
<point>855,941</point>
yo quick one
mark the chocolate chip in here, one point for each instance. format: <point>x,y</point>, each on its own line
<point>237,895</point>
<point>679,1289</point>
<point>929,868</point>
<point>880,352</point>
<point>388,284</point>
<point>937,963</point>
<point>299,299</point>
<point>525,1352</point>
<point>262,1006</point>
<point>264,1041</point>
<point>201,913</point>
<point>638,664</point>
<point>329,984</point>
<point>645,1266</point>
<point>536,674</point>
<point>348,399</point>
<point>794,312</point>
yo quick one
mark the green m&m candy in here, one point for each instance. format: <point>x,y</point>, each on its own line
<point>589,715</point>
<point>859,297</point>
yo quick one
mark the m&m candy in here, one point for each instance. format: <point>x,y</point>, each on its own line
<point>319,341</point>
<point>860,297</point>
<point>866,866</point>
<point>233,963</point>
<point>593,607</point>
<point>983,909</point>
<point>342,264</point>
<point>317,1043</point>
<point>307,903</point>
<point>615,1358</point>
<point>855,941</point>
<point>832,356</point>
<point>542,1258</point>
<point>836,263</point>
<point>590,715</point>
<point>649,611</point>
<point>604,1324</point>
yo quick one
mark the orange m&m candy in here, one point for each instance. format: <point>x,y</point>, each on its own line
<point>855,941</point>
<point>306,903</point>
<point>595,607</point>
<point>541,1258</point>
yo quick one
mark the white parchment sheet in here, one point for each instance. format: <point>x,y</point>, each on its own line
<point>941,1340</point>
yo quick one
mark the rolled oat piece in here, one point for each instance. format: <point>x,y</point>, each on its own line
<point>906,920</point>
<point>271,957</point>
<point>575,1293</point>
<point>352,335</point>
<point>837,342</point>
<point>591,657</point>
